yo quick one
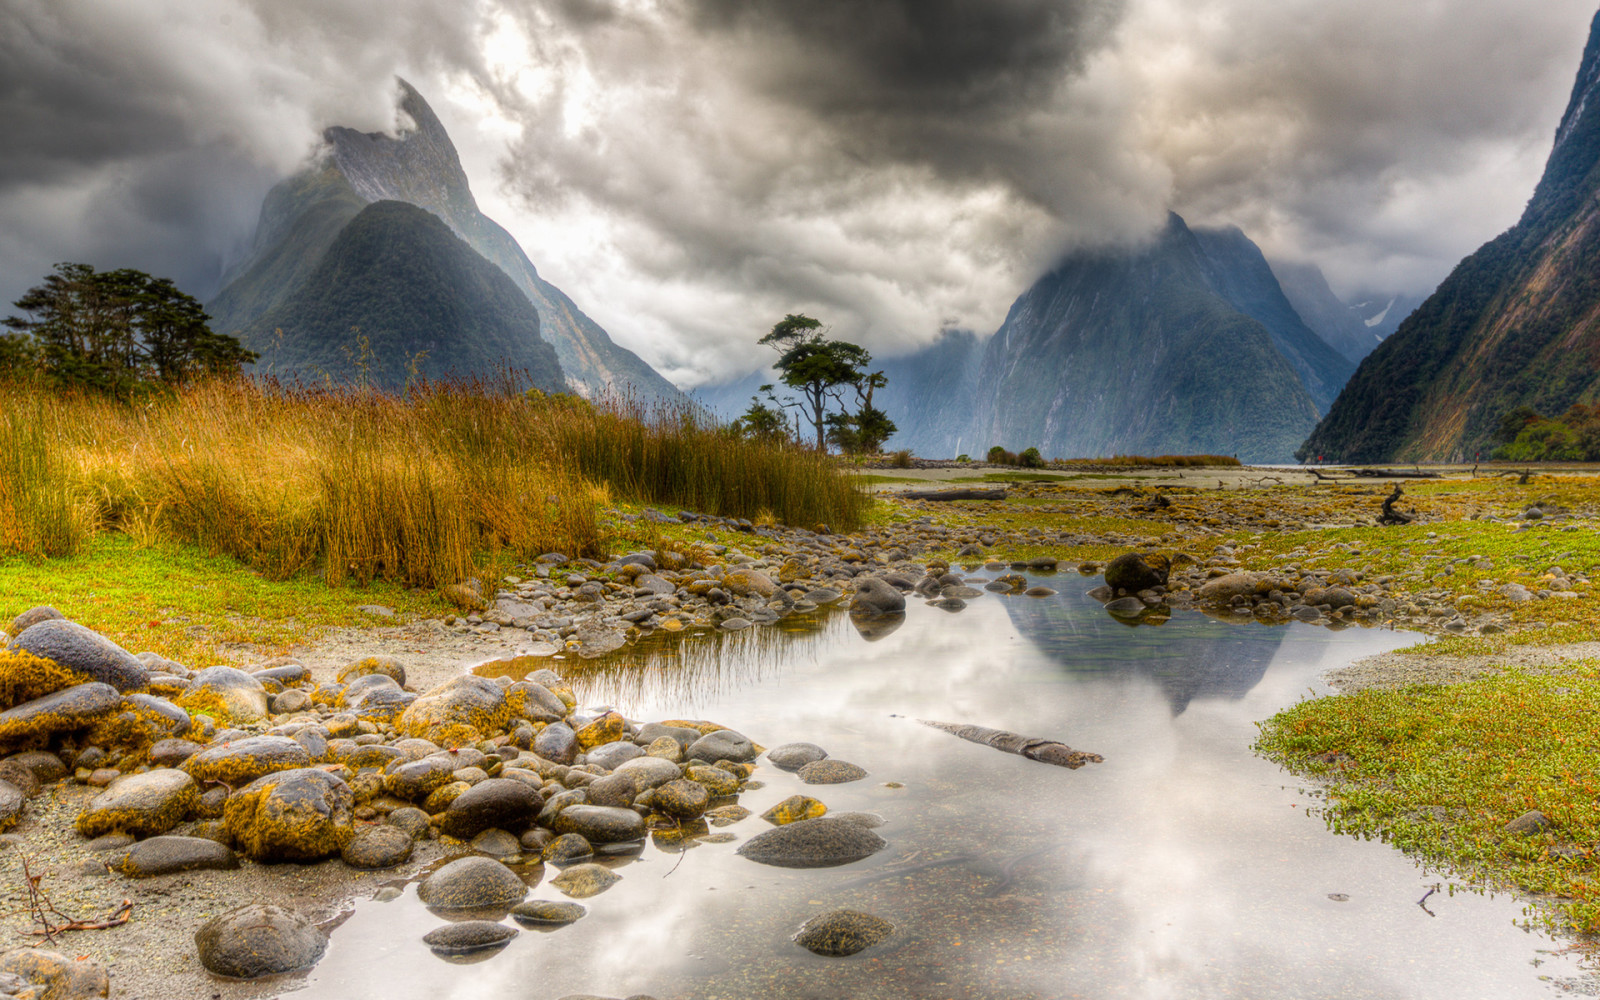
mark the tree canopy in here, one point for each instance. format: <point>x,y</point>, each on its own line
<point>819,370</point>
<point>115,332</point>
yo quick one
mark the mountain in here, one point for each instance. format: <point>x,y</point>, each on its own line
<point>1236,270</point>
<point>424,302</point>
<point>1352,330</point>
<point>1146,351</point>
<point>302,217</point>
<point>1516,323</point>
<point>1187,344</point>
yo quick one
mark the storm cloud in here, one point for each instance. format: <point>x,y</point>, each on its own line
<point>690,170</point>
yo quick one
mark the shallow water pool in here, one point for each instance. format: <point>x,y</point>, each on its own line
<point>1183,866</point>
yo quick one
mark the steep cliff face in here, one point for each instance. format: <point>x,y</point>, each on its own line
<point>1236,270</point>
<point>398,294</point>
<point>1352,330</point>
<point>1516,323</point>
<point>303,216</point>
<point>1137,352</point>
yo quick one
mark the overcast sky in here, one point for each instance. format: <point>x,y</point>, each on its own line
<point>691,170</point>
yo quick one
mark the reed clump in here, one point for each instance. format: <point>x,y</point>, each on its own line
<point>421,488</point>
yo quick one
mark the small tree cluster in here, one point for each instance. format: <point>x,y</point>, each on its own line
<point>1029,459</point>
<point>821,371</point>
<point>1530,437</point>
<point>114,331</point>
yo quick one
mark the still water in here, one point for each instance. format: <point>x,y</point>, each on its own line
<point>1183,866</point>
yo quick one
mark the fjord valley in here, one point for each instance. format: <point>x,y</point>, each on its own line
<point>382,627</point>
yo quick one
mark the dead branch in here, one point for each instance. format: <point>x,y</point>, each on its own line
<point>1390,515</point>
<point>43,910</point>
<point>954,494</point>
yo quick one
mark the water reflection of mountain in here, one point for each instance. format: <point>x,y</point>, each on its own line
<point>1190,655</point>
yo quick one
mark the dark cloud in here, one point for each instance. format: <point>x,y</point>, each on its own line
<point>691,169</point>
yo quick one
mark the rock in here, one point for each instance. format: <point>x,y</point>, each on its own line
<point>557,743</point>
<point>47,768</point>
<point>412,820</point>
<point>1126,606</point>
<point>299,815</point>
<point>722,744</point>
<point>865,819</point>
<point>63,711</point>
<point>534,702</point>
<point>652,731</point>
<point>830,772</point>
<point>547,913</point>
<point>1337,597</point>
<point>749,582</point>
<point>166,855</point>
<point>813,843</point>
<point>583,881</point>
<point>1224,589</point>
<point>875,597</point>
<point>236,763</point>
<point>469,936</point>
<point>612,790</point>
<point>503,803</point>
<point>1516,593</point>
<point>172,752</point>
<point>376,847</point>
<point>842,932</point>
<point>727,815</point>
<point>716,780</point>
<point>462,710</point>
<point>681,799</point>
<point>13,801</point>
<point>61,654</point>
<point>565,849</point>
<point>34,616</point>
<point>141,804</point>
<point>600,824</point>
<point>609,728</point>
<point>55,976</point>
<point>387,666</point>
<point>259,939</point>
<point>614,755</point>
<point>1531,822</point>
<point>226,693</point>
<point>417,779</point>
<point>794,756</point>
<point>139,721</point>
<point>497,843</point>
<point>1135,571</point>
<point>472,883</point>
<point>794,809</point>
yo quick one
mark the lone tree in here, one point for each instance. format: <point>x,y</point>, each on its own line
<point>817,368</point>
<point>116,332</point>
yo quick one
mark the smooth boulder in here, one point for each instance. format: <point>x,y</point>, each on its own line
<point>813,843</point>
<point>76,655</point>
<point>875,597</point>
<point>300,815</point>
<point>472,883</point>
<point>259,939</point>
<point>141,804</point>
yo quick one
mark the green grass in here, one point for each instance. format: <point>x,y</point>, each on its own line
<point>1439,771</point>
<point>182,603</point>
<point>1011,477</point>
<point>870,478</point>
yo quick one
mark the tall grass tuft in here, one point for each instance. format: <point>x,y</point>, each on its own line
<point>421,488</point>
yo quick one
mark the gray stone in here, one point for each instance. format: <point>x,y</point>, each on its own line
<point>842,932</point>
<point>547,913</point>
<point>469,936</point>
<point>34,616</point>
<point>472,883</point>
<point>412,820</point>
<point>813,843</point>
<point>1134,571</point>
<point>873,597</point>
<point>830,772</point>
<point>141,804</point>
<point>497,802</point>
<point>47,768</point>
<point>567,848</point>
<point>722,744</point>
<point>85,653</point>
<point>172,752</point>
<point>236,763</point>
<point>12,803</point>
<point>167,855</point>
<point>259,939</point>
<point>38,974</point>
<point>241,694</point>
<point>1531,822</point>
<point>497,843</point>
<point>376,847</point>
<point>650,772</point>
<point>600,824</point>
<point>613,755</point>
<point>557,742</point>
<point>417,779</point>
<point>583,881</point>
<point>63,711</point>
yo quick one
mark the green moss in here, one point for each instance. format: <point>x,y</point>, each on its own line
<point>1439,771</point>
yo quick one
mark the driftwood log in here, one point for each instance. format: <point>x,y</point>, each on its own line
<point>1031,747</point>
<point>1390,515</point>
<point>954,494</point>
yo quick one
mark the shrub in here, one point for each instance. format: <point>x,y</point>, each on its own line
<point>901,459</point>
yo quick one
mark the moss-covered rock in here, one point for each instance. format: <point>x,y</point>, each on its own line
<point>462,710</point>
<point>54,976</point>
<point>386,666</point>
<point>794,809</point>
<point>842,932</point>
<point>609,728</point>
<point>79,654</point>
<point>63,711</point>
<point>299,815</point>
<point>140,721</point>
<point>141,804</point>
<point>237,763</point>
<point>226,693</point>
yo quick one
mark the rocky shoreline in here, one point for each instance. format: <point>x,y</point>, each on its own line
<point>370,757</point>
